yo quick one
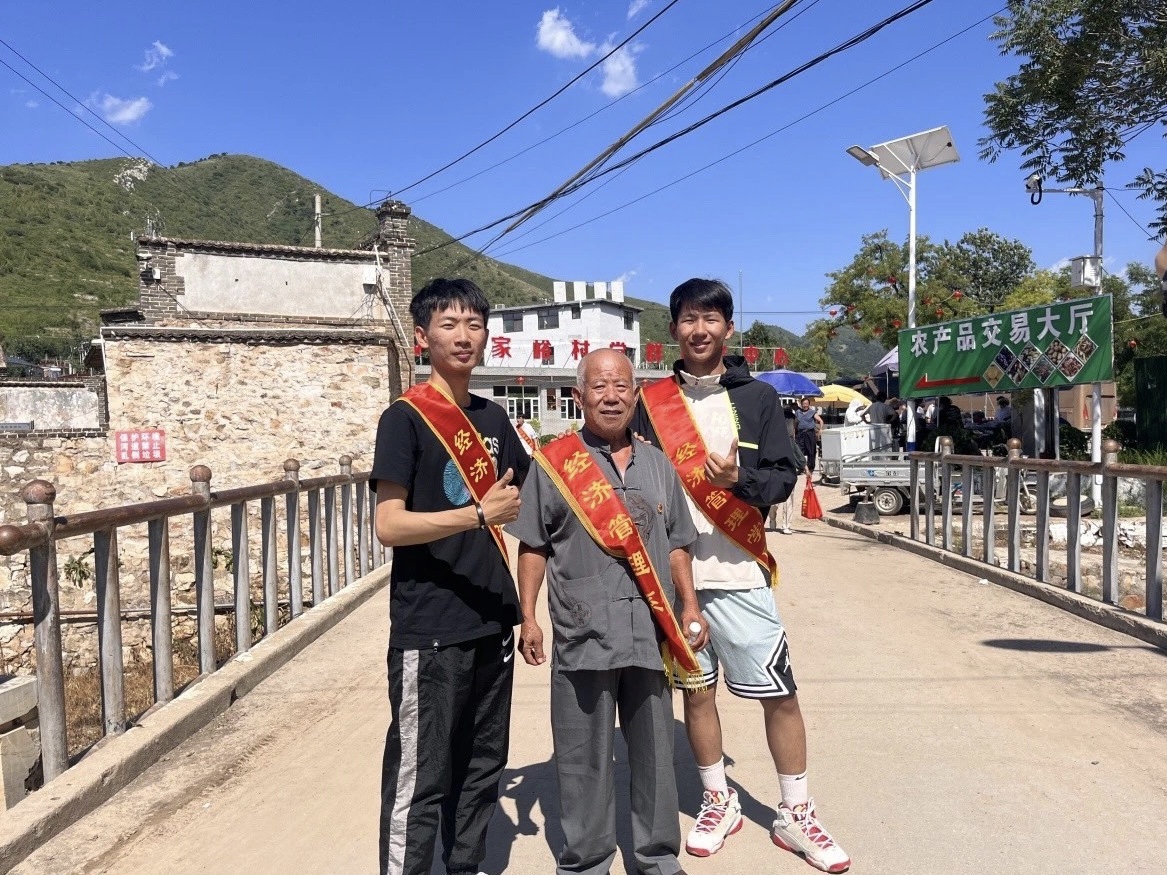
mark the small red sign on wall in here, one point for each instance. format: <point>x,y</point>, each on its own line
<point>143,445</point>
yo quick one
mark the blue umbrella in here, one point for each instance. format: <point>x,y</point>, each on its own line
<point>789,383</point>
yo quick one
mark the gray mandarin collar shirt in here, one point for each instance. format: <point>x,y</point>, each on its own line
<point>599,619</point>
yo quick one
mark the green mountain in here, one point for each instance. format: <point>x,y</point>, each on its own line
<point>67,250</point>
<point>853,356</point>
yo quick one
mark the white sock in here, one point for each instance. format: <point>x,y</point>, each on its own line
<point>713,777</point>
<point>794,790</point>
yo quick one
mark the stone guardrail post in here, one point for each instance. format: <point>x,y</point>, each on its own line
<point>295,579</point>
<point>914,497</point>
<point>1013,505</point>
<point>361,494</point>
<point>46,607</point>
<point>331,542</point>
<point>268,564</point>
<point>161,626</point>
<point>241,574</point>
<point>946,447</point>
<point>200,482</point>
<point>346,514</point>
<point>1110,450</point>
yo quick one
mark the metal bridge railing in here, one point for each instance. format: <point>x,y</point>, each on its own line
<point>1015,485</point>
<point>338,544</point>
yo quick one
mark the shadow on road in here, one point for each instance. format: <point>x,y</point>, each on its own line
<point>1041,645</point>
<point>535,794</point>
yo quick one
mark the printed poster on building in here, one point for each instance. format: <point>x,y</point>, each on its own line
<point>1039,347</point>
<point>140,445</point>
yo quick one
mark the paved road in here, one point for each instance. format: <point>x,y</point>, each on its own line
<point>955,727</point>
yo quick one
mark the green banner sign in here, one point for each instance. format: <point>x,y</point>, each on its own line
<point>1038,347</point>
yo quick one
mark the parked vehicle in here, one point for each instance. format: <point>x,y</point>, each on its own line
<point>851,441</point>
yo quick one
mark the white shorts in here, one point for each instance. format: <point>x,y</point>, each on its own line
<point>747,640</point>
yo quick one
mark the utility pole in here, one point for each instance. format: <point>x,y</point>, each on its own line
<point>1096,388</point>
<point>317,221</point>
<point>741,315</point>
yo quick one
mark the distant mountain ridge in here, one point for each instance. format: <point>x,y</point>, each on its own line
<point>66,247</point>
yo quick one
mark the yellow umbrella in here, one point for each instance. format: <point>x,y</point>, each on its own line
<point>834,394</point>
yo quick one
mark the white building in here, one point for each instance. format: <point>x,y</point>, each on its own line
<point>530,362</point>
<point>559,334</point>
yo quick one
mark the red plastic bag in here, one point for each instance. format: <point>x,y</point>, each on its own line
<point>811,509</point>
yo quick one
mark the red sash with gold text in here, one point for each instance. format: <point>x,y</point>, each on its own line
<point>461,440</point>
<point>529,441</point>
<point>593,500</point>
<point>680,439</point>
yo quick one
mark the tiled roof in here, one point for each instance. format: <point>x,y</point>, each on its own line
<point>242,335</point>
<point>309,253</point>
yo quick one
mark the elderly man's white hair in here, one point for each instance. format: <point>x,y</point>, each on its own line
<point>581,368</point>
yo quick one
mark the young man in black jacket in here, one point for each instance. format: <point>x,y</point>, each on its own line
<point>734,422</point>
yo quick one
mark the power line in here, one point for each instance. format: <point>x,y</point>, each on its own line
<point>688,102</point>
<point>66,109</point>
<point>592,169</point>
<point>760,140</point>
<point>80,103</point>
<point>164,173</point>
<point>536,107</point>
<point>1126,212</point>
<point>587,175</point>
<point>564,191</point>
<point>692,100</point>
<point>593,114</point>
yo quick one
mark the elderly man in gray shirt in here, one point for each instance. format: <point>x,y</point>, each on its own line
<point>606,654</point>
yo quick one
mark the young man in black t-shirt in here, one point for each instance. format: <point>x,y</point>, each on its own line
<point>452,604</point>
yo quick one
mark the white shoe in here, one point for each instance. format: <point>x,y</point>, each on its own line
<point>798,830</point>
<point>720,817</point>
<point>786,530</point>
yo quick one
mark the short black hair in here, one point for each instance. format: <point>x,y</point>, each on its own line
<point>880,396</point>
<point>1002,400</point>
<point>442,294</point>
<point>702,294</point>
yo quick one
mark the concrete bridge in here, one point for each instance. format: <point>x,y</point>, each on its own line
<point>955,726</point>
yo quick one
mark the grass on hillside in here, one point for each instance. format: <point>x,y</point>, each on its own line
<point>66,247</point>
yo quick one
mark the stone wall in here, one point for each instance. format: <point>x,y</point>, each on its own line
<point>239,408</point>
<point>53,405</point>
<point>245,355</point>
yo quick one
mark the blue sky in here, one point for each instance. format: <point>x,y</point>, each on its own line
<point>368,98</point>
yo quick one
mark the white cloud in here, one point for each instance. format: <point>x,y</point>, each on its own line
<point>636,7</point>
<point>627,276</point>
<point>556,36</point>
<point>168,76</point>
<point>156,56</point>
<point>619,72</point>
<point>31,104</point>
<point>117,111</point>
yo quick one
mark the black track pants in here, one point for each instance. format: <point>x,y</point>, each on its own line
<point>445,753</point>
<point>809,446</point>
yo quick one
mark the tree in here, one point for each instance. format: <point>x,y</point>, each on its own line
<point>765,338</point>
<point>1139,329</point>
<point>1093,76</point>
<point>985,266</point>
<point>812,354</point>
<point>974,275</point>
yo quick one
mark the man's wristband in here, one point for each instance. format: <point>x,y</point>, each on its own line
<point>481,515</point>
